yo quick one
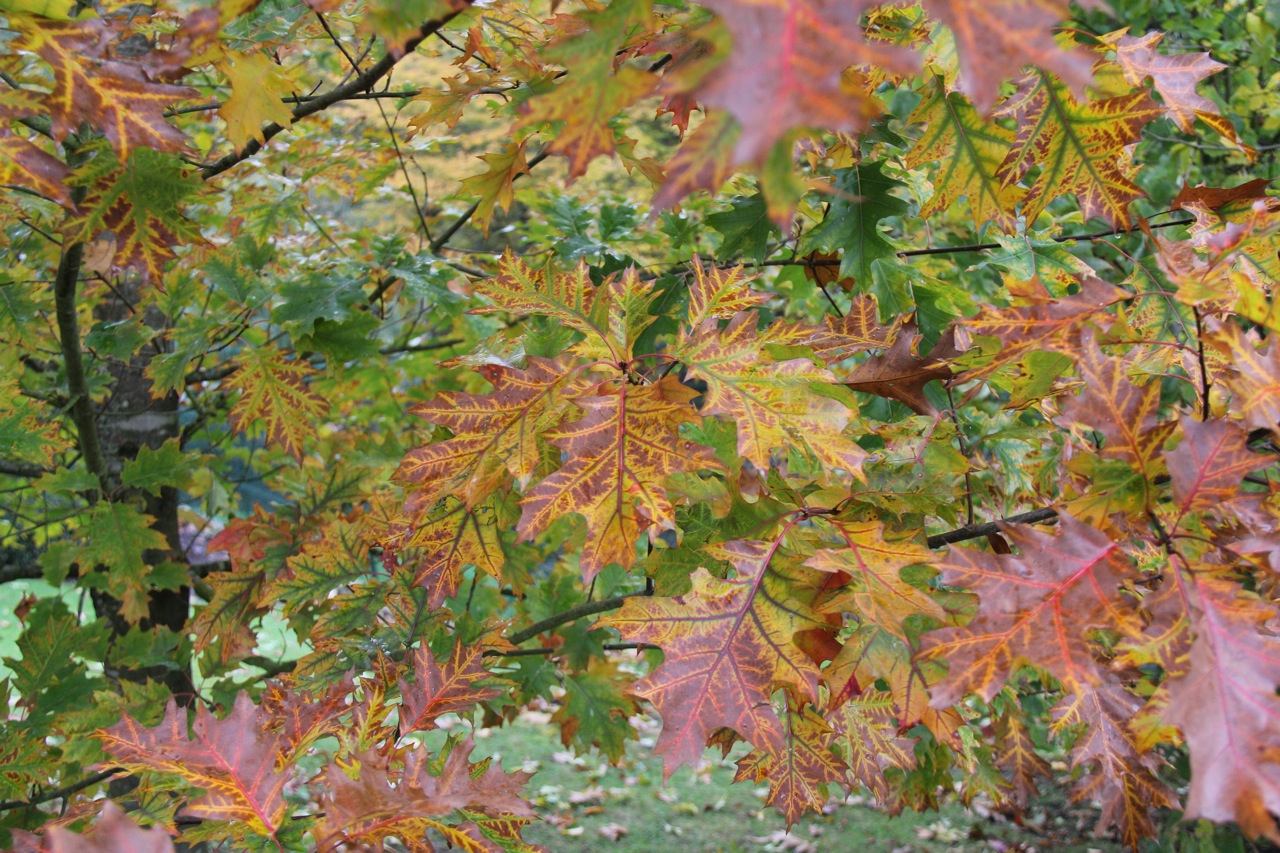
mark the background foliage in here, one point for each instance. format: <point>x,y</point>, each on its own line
<point>887,388</point>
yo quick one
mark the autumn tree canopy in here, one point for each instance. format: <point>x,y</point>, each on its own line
<point>888,388</point>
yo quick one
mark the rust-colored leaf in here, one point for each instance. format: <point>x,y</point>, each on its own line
<point>728,645</point>
<point>1042,323</point>
<point>617,456</point>
<point>397,796</point>
<point>1123,778</point>
<point>997,38</point>
<point>1208,464</point>
<point>495,435</point>
<point>233,759</point>
<point>1077,147</point>
<point>91,85</point>
<point>1124,412</point>
<point>1175,78</point>
<point>899,374</point>
<point>113,833</point>
<point>798,776</point>
<point>1228,710</point>
<point>773,84</point>
<point>1038,607</point>
<point>451,688</point>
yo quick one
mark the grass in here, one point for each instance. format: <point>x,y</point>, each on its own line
<point>585,804</point>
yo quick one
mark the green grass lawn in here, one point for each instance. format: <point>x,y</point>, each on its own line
<point>586,804</point>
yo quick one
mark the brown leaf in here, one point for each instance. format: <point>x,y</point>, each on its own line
<point>899,374</point>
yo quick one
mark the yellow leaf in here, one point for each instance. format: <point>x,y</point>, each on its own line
<point>257,87</point>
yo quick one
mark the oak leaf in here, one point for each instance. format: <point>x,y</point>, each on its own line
<point>495,435</point>
<point>863,197</point>
<point>1207,466</point>
<point>798,777</point>
<point>1175,78</point>
<point>997,38</point>
<point>26,165</point>
<point>899,374</point>
<point>233,759</point>
<point>1041,323</point>
<point>1077,147</point>
<point>1124,412</point>
<point>258,87</point>
<point>454,687</point>
<point>618,455</point>
<point>768,400</point>
<point>772,85</point>
<point>969,151</point>
<point>704,161</point>
<point>113,833</point>
<point>139,206</point>
<point>728,645</point>
<point>1038,607</point>
<point>495,185</point>
<point>390,799</point>
<point>1227,709</point>
<point>1123,779</point>
<point>876,592</point>
<point>275,392</point>
<point>90,85</point>
<point>866,728</point>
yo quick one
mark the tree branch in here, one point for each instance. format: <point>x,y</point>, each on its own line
<point>22,469</point>
<point>82,414</point>
<point>359,84</point>
<point>556,620</point>
<point>977,531</point>
<point>64,791</point>
<point>973,247</point>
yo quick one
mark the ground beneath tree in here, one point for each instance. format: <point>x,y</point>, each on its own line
<point>586,805</point>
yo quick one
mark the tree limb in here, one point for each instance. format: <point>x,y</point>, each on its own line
<point>82,414</point>
<point>64,791</point>
<point>359,84</point>
<point>977,531</point>
<point>556,620</point>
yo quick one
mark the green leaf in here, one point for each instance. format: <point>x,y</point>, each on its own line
<point>152,469</point>
<point>744,227</point>
<point>862,196</point>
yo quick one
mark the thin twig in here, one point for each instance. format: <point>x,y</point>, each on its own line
<point>951,250</point>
